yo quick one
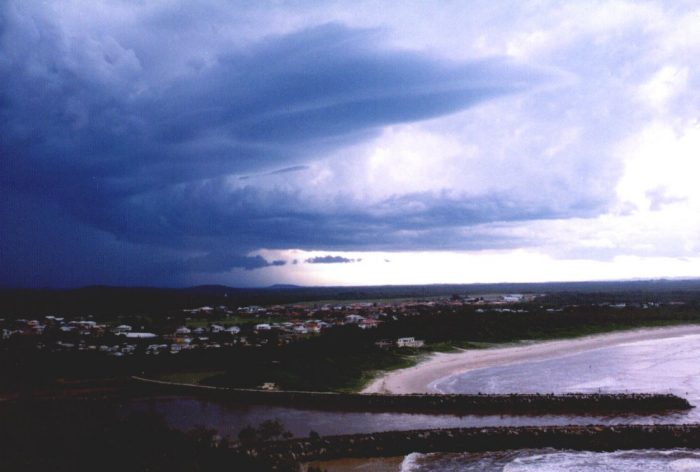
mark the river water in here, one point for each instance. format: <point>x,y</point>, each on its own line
<point>662,365</point>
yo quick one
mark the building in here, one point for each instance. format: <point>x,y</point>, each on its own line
<point>409,342</point>
<point>353,319</point>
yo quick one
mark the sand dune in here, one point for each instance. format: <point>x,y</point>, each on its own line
<point>417,379</point>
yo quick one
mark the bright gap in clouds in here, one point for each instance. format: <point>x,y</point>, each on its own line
<point>396,268</point>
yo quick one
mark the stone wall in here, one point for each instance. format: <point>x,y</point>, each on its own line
<point>521,404</point>
<point>398,443</point>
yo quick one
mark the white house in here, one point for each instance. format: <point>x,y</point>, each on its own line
<point>409,342</point>
<point>368,323</point>
<point>85,324</point>
<point>354,319</point>
<point>141,335</point>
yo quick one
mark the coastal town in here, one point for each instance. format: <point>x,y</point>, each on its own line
<point>252,326</point>
<point>222,326</point>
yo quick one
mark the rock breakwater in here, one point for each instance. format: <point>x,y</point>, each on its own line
<point>398,443</point>
<point>481,404</point>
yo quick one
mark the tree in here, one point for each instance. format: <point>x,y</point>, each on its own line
<point>269,430</point>
<point>248,436</point>
<point>273,429</point>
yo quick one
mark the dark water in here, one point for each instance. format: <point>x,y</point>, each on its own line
<point>187,413</point>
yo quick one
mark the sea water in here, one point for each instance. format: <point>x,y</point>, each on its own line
<point>670,365</point>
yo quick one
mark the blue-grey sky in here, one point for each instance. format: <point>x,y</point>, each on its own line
<point>244,143</point>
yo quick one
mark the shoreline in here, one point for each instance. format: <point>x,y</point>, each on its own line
<point>421,377</point>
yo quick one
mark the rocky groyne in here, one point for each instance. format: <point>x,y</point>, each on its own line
<point>481,404</point>
<point>399,443</point>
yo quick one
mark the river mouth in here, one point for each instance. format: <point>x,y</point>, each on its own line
<point>666,365</point>
<point>662,365</point>
<point>228,418</point>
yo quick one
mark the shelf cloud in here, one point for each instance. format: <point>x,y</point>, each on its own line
<point>165,144</point>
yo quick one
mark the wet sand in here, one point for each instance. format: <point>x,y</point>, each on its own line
<point>418,379</point>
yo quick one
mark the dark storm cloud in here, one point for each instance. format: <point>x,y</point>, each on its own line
<point>223,262</point>
<point>282,100</point>
<point>133,155</point>
<point>252,216</point>
<point>329,260</point>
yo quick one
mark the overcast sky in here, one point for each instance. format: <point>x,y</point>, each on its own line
<point>336,143</point>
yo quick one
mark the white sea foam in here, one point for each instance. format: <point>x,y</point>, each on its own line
<point>623,461</point>
<point>409,463</point>
<point>685,465</point>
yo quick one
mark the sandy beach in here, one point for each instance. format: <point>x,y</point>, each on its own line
<point>417,379</point>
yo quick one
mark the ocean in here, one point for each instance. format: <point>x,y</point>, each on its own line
<point>664,365</point>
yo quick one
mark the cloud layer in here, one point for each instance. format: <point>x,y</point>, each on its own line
<point>164,144</point>
<point>148,158</point>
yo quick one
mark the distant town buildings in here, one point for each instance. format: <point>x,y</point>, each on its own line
<point>252,326</point>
